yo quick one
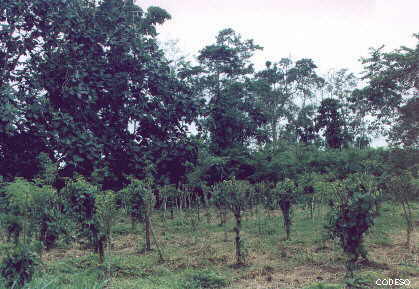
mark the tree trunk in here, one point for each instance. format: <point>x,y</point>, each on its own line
<point>208,215</point>
<point>133,224</point>
<point>237,229</point>
<point>287,227</point>
<point>409,223</point>
<point>164,208</point>
<point>285,208</point>
<point>101,252</point>
<point>157,245</point>
<point>198,210</point>
<point>109,245</point>
<point>312,209</point>
<point>207,208</point>
<point>220,214</point>
<point>147,232</point>
<point>409,231</point>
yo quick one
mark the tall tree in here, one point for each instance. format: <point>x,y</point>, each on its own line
<point>95,86</point>
<point>306,79</point>
<point>305,125</point>
<point>273,88</point>
<point>391,91</point>
<point>284,88</point>
<point>233,115</point>
<point>332,121</point>
<point>340,85</point>
<point>405,130</point>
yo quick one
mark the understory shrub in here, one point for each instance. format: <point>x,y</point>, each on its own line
<point>204,279</point>
<point>18,266</point>
<point>353,209</point>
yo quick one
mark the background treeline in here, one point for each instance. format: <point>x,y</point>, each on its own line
<point>96,120</point>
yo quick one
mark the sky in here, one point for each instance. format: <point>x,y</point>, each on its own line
<point>334,33</point>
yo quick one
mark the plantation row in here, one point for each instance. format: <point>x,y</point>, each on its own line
<point>101,121</point>
<point>35,215</point>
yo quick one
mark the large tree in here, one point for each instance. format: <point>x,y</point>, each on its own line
<point>341,85</point>
<point>284,89</point>
<point>331,120</point>
<point>94,85</point>
<point>233,116</point>
<point>392,90</point>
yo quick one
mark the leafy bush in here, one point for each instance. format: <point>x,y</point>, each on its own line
<point>79,205</point>
<point>353,209</point>
<point>105,217</point>
<point>18,267</point>
<point>358,282</point>
<point>403,189</point>
<point>235,194</point>
<point>205,279</point>
<point>286,194</point>
<point>53,224</point>
<point>142,200</point>
<point>25,206</point>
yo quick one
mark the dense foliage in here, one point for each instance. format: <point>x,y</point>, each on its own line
<point>353,203</point>
<point>98,123</point>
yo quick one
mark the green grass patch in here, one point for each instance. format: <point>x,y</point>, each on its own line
<point>196,255</point>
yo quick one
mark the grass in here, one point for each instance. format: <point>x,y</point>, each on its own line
<point>196,255</point>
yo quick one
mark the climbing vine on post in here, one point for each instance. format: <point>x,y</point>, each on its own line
<point>286,193</point>
<point>220,202</point>
<point>141,192</point>
<point>80,206</point>
<point>353,209</point>
<point>22,206</point>
<point>105,213</point>
<point>149,201</point>
<point>168,195</point>
<point>236,194</point>
<point>403,189</point>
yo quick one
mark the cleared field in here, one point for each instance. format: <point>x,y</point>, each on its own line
<point>196,255</point>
